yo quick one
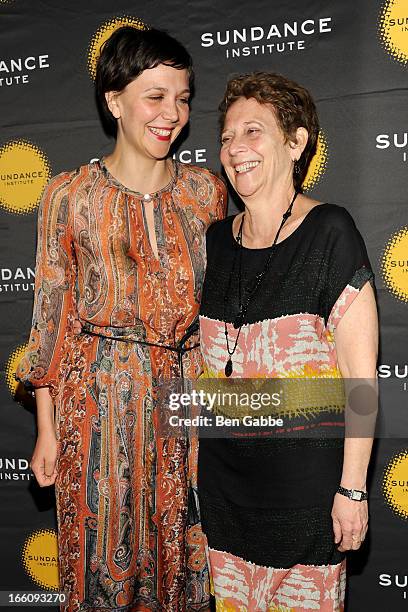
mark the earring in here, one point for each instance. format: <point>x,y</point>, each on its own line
<point>296,167</point>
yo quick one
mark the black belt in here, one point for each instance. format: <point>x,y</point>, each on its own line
<point>178,348</point>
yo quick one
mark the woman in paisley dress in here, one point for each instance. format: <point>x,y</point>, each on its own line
<point>287,295</point>
<point>121,248</point>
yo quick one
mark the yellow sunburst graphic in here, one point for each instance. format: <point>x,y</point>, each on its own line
<point>394,264</point>
<point>318,163</point>
<point>11,367</point>
<point>40,558</point>
<point>102,34</point>
<point>24,172</point>
<point>393,29</point>
<point>395,484</point>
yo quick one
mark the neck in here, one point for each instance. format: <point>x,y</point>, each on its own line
<point>263,217</point>
<point>136,171</point>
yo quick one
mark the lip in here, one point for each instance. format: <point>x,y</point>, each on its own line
<point>162,137</point>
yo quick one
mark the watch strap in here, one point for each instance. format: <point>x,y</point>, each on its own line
<point>353,494</point>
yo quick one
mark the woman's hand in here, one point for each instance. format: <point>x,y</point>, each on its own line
<point>350,522</point>
<point>44,459</point>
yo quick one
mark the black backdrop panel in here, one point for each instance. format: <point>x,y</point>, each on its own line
<point>338,51</point>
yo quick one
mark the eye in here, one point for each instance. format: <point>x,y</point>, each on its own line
<point>252,130</point>
<point>184,100</point>
<point>225,139</point>
<point>155,97</point>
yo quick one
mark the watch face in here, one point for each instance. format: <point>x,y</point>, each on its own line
<point>356,495</point>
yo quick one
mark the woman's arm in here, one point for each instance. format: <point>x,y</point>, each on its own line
<point>55,281</point>
<point>357,347</point>
<point>44,459</point>
<point>53,315</point>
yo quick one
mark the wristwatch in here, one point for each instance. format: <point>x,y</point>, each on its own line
<point>353,494</point>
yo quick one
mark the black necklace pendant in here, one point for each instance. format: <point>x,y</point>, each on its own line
<point>228,368</point>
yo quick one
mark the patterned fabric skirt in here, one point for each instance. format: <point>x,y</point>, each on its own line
<point>124,539</point>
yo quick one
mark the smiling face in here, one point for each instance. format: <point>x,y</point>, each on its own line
<point>254,150</point>
<point>152,110</point>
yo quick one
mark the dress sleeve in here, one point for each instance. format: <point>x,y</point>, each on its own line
<point>349,268</point>
<point>222,199</point>
<point>55,282</point>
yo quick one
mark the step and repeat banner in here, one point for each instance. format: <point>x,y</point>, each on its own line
<point>353,56</point>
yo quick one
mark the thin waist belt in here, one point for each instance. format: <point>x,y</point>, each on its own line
<point>178,348</point>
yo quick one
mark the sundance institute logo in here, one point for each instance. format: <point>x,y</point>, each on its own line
<point>393,29</point>
<point>102,34</point>
<point>394,265</point>
<point>318,163</point>
<point>268,38</point>
<point>395,484</point>
<point>24,172</point>
<point>40,558</point>
<point>11,367</point>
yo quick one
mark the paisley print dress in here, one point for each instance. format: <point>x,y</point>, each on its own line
<point>124,539</point>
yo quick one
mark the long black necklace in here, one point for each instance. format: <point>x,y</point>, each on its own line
<point>243,306</point>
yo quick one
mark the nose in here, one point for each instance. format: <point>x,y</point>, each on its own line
<point>235,145</point>
<point>170,111</point>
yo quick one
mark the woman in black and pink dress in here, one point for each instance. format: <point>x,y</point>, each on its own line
<point>293,275</point>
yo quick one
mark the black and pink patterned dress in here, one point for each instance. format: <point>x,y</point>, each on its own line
<point>266,503</point>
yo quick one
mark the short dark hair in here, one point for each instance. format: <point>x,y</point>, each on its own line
<point>293,106</point>
<point>124,56</point>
